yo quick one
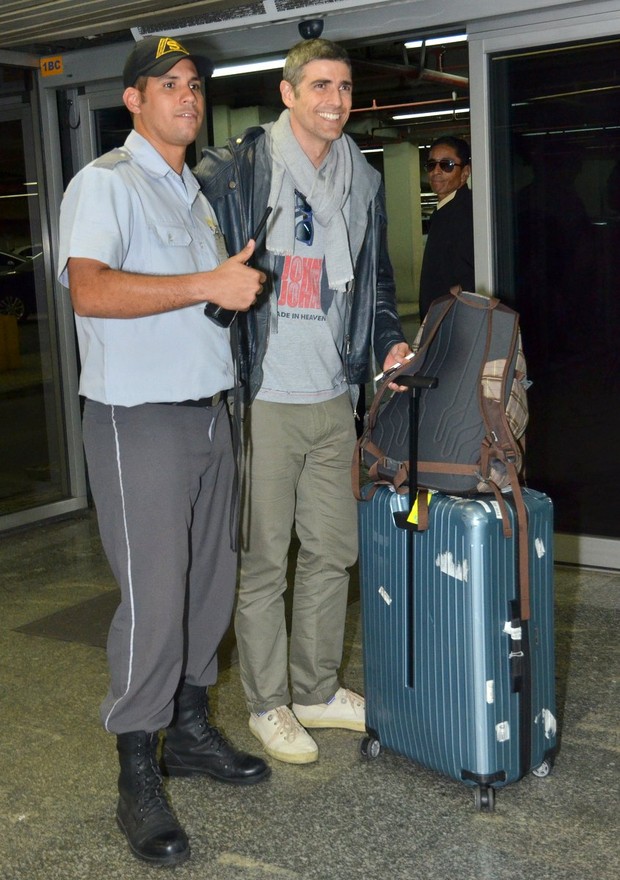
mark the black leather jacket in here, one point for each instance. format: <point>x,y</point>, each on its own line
<point>236,179</point>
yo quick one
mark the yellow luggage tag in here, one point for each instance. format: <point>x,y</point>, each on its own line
<point>413,513</point>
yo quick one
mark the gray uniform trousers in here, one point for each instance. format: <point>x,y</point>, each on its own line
<point>162,478</point>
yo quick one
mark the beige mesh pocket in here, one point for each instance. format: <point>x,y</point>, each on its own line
<point>516,409</point>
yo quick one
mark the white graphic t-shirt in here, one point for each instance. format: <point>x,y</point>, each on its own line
<point>303,363</point>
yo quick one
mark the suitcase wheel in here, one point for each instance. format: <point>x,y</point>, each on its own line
<point>370,747</point>
<point>542,770</point>
<point>484,798</point>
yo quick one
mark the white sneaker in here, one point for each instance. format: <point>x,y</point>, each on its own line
<point>283,737</point>
<point>345,709</point>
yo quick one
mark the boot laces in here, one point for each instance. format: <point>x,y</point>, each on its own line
<point>213,738</point>
<point>151,795</point>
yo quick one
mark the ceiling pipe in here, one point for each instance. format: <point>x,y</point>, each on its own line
<point>374,107</point>
<point>449,79</point>
<point>417,73</point>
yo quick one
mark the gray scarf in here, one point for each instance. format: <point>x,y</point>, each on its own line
<point>327,191</point>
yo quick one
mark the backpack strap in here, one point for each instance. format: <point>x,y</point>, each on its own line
<point>523,550</point>
<point>476,301</point>
<point>438,311</point>
<point>501,444</point>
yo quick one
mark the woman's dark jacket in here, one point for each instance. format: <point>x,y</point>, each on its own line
<point>236,179</point>
<point>449,251</point>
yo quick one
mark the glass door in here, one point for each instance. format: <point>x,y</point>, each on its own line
<point>555,195</point>
<point>105,123</point>
<point>33,459</point>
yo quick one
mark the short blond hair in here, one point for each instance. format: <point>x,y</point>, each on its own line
<point>311,50</point>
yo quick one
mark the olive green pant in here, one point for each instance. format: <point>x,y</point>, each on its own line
<point>297,474</point>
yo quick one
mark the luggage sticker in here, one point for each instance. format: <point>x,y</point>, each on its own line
<point>502,731</point>
<point>446,564</point>
<point>498,511</point>
<point>413,515</point>
<point>548,719</point>
<point>385,595</point>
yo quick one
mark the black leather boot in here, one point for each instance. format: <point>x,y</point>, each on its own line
<point>195,746</point>
<point>143,812</point>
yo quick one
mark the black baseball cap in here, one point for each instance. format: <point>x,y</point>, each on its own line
<point>154,56</point>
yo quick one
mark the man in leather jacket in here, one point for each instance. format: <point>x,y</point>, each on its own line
<point>304,350</point>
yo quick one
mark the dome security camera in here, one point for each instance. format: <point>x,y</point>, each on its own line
<point>311,28</point>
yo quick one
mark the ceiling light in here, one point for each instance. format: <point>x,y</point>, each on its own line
<point>431,113</point>
<point>436,41</point>
<point>251,67</point>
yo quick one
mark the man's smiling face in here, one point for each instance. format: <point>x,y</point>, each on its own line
<point>320,105</point>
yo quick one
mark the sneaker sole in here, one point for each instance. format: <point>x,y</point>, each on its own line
<point>340,725</point>
<point>286,757</point>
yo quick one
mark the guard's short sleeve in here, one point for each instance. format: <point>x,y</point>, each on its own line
<point>95,219</point>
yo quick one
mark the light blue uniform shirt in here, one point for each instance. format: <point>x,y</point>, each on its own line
<point>130,210</point>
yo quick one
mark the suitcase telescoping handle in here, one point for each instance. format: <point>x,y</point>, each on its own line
<point>415,384</point>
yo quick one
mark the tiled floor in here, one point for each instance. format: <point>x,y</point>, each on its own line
<point>342,818</point>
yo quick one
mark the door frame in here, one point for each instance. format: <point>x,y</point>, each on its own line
<point>56,399</point>
<point>527,31</point>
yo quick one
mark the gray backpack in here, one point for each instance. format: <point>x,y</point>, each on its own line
<point>470,434</point>
<point>471,426</point>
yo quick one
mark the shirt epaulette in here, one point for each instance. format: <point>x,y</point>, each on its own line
<point>113,158</point>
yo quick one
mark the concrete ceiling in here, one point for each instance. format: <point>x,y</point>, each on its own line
<point>384,73</point>
<point>374,31</point>
<point>43,26</point>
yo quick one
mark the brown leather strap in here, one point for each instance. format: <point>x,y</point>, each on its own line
<point>443,467</point>
<point>422,510</point>
<point>489,302</point>
<point>523,542</point>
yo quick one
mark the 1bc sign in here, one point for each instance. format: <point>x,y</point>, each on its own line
<point>51,66</point>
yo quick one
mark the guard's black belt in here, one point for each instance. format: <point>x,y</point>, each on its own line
<point>203,401</point>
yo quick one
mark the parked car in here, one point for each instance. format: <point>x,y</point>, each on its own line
<point>18,294</point>
<point>29,250</point>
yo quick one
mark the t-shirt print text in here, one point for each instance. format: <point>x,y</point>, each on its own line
<point>300,289</point>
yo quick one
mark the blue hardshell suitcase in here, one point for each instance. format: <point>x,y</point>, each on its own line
<point>454,679</point>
